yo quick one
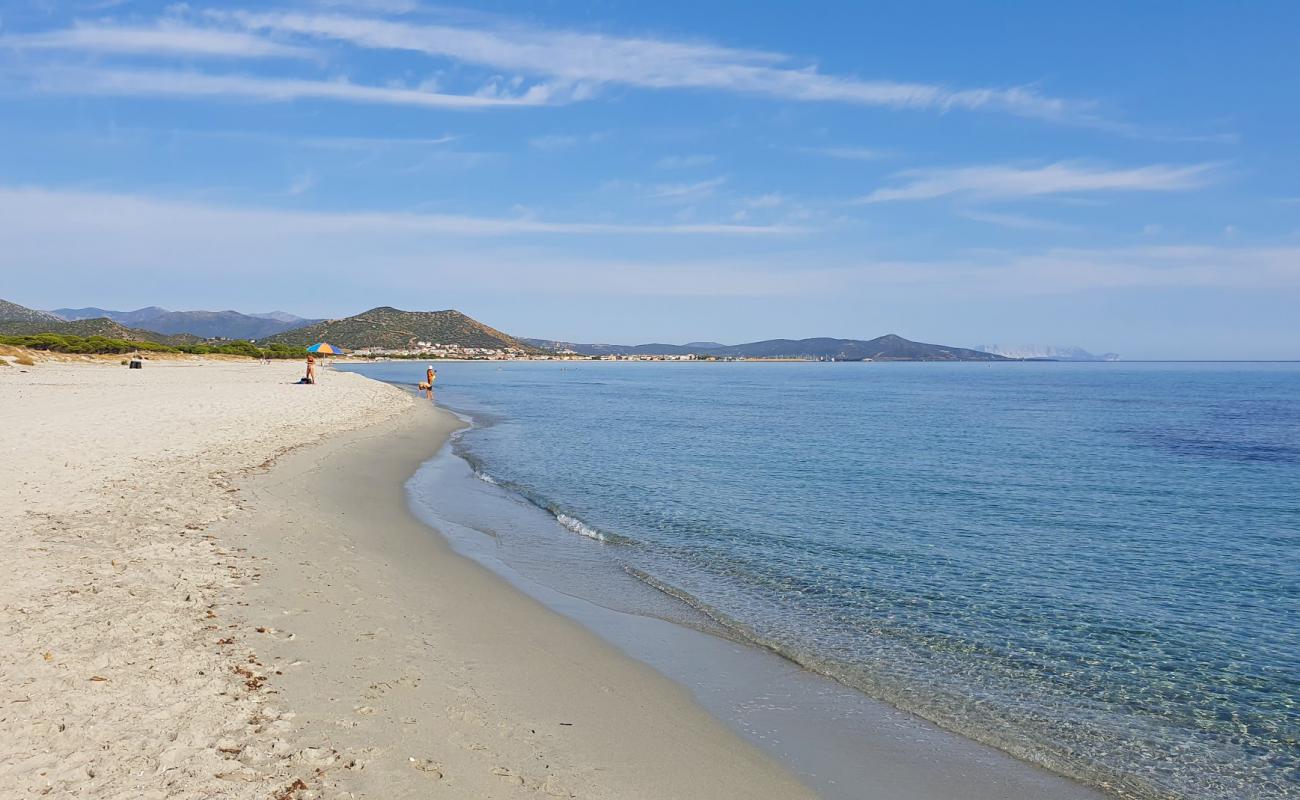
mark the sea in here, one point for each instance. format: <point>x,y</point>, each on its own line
<point>1094,568</point>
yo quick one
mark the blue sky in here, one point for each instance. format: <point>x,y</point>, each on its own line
<point>1119,176</point>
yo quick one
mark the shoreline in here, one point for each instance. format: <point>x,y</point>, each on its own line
<point>415,668</point>
<point>836,738</point>
<point>262,609</point>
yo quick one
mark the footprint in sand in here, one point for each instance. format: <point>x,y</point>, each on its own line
<point>508,776</point>
<point>433,768</point>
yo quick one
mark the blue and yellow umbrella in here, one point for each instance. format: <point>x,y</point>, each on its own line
<point>324,348</point>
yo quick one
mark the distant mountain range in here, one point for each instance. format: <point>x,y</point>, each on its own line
<point>883,348</point>
<point>393,329</point>
<point>204,324</point>
<point>390,328</point>
<point>1046,352</point>
<point>620,349</point>
<point>16,320</point>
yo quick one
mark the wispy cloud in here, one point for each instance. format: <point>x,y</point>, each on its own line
<point>848,153</point>
<point>137,82</point>
<point>686,192</point>
<point>564,141</point>
<point>1060,178</point>
<point>288,140</point>
<point>682,162</point>
<point>1016,221</point>
<point>154,219</point>
<point>366,143</point>
<point>373,6</point>
<point>302,183</point>
<point>140,236</point>
<point>589,58</point>
<point>768,200</point>
<point>165,38</point>
<point>375,142</point>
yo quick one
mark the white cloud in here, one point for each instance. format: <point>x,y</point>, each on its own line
<point>1189,266</point>
<point>1016,221</point>
<point>589,58</point>
<point>133,82</point>
<point>686,192</point>
<point>553,142</point>
<point>565,141</point>
<point>378,142</point>
<point>319,142</point>
<point>848,153</point>
<point>373,6</point>
<point>93,238</point>
<point>117,215</point>
<point>163,39</point>
<point>302,183</point>
<point>680,162</point>
<point>1062,177</point>
<point>769,200</point>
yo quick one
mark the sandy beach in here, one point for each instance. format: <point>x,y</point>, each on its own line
<point>216,590</point>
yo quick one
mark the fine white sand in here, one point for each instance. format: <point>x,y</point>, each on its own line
<point>115,679</point>
<point>197,605</point>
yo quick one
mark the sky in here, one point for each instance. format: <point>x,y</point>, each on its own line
<point>1122,177</point>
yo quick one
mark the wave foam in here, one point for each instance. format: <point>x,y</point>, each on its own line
<point>579,527</point>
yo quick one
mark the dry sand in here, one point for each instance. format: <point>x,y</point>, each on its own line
<point>114,679</point>
<point>186,618</point>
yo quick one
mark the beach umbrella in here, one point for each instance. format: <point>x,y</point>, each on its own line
<point>325,348</point>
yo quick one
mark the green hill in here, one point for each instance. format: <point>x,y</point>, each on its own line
<point>393,329</point>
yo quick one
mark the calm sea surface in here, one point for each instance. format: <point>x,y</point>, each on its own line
<point>1095,567</point>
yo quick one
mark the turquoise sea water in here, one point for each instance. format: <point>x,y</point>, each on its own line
<point>1095,567</point>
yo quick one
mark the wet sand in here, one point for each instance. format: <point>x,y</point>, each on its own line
<point>423,674</point>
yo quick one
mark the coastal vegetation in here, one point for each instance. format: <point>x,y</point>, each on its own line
<point>205,324</point>
<point>87,328</point>
<point>87,345</point>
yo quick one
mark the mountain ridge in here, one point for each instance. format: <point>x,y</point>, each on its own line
<point>890,347</point>
<point>227,324</point>
<point>16,320</point>
<point>12,313</point>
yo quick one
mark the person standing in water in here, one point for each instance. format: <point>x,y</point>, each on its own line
<point>430,375</point>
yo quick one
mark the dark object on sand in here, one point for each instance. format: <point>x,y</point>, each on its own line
<point>135,363</point>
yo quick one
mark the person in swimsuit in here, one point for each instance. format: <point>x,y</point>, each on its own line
<point>311,368</point>
<point>430,375</point>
